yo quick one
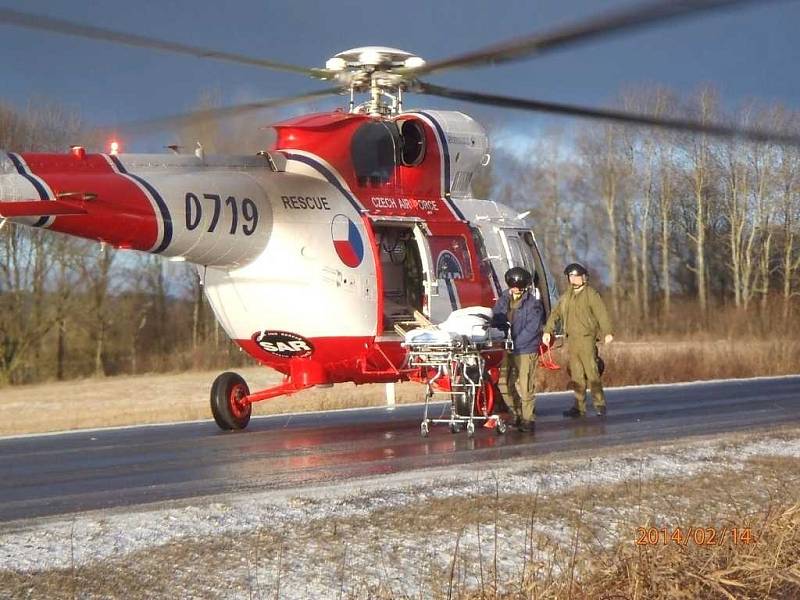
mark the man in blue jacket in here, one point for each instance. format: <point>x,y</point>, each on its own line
<point>520,306</point>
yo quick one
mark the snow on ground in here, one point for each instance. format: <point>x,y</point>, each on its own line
<point>402,563</point>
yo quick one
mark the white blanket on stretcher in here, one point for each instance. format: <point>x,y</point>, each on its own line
<point>474,322</point>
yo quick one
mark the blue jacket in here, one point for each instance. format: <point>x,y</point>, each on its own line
<point>528,322</point>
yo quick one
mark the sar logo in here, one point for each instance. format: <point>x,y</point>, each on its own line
<point>283,344</point>
<point>347,241</point>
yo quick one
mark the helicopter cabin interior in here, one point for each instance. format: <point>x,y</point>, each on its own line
<point>403,274</point>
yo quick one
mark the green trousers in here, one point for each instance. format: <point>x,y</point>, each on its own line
<point>521,383</point>
<point>583,371</point>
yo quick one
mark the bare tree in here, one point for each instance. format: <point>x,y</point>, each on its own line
<point>665,156</point>
<point>788,200</point>
<point>67,253</point>
<point>701,176</point>
<point>608,170</point>
<point>647,146</point>
<point>763,165</point>
<point>554,212</point>
<point>737,218</point>
<point>98,278</point>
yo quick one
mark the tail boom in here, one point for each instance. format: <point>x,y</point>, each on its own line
<point>174,206</point>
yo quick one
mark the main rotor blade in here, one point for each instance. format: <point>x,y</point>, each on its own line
<point>33,21</point>
<point>603,25</point>
<point>755,135</point>
<point>199,116</point>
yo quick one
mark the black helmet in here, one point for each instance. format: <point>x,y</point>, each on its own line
<point>518,277</point>
<point>576,268</point>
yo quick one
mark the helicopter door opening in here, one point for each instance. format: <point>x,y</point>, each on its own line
<point>521,251</point>
<point>403,273</point>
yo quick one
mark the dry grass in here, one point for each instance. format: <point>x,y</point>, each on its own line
<point>663,360</point>
<point>158,398</point>
<point>578,543</point>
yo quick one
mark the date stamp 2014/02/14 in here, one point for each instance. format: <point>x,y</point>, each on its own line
<point>699,536</point>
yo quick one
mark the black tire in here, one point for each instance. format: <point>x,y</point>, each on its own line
<point>465,402</point>
<point>226,392</point>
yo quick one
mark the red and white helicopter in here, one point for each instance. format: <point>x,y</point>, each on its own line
<point>311,251</point>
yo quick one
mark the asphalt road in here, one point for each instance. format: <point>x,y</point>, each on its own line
<point>54,474</point>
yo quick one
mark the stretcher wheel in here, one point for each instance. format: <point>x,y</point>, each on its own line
<point>455,427</point>
<point>470,429</point>
<point>227,401</point>
<point>501,427</point>
<point>423,429</point>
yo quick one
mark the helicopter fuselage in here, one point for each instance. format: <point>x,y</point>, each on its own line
<point>309,253</point>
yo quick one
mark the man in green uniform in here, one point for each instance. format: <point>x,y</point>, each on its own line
<point>585,320</point>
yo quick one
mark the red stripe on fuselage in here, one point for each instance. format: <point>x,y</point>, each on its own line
<point>118,213</point>
<point>413,191</point>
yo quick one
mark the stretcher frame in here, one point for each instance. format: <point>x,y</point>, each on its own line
<point>458,361</point>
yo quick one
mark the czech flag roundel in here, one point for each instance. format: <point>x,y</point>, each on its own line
<point>347,241</point>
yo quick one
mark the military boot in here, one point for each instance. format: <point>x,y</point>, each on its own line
<point>526,426</point>
<point>573,413</point>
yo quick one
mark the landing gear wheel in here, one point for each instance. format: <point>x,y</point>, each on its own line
<point>501,427</point>
<point>423,429</point>
<point>470,429</point>
<point>227,406</point>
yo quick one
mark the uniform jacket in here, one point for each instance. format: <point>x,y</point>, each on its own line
<point>526,326</point>
<point>583,314</point>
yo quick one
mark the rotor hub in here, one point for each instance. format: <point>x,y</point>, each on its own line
<point>378,70</point>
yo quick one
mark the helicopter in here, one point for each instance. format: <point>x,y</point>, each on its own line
<point>314,253</point>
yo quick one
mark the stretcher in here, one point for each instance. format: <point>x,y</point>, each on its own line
<point>452,358</point>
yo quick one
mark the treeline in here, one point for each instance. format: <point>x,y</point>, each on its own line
<point>71,308</point>
<point>686,232</point>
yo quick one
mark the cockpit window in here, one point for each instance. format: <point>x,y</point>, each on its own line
<point>374,150</point>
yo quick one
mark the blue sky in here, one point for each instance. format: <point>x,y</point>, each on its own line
<point>751,52</point>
